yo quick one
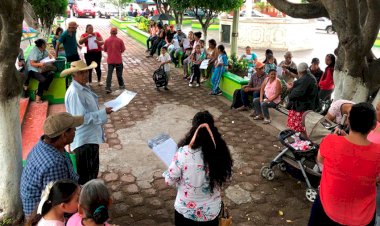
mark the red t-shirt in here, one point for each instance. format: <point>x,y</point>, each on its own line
<point>348,184</point>
<point>97,35</point>
<point>327,79</point>
<point>114,47</point>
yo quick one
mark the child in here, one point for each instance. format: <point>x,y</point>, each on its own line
<point>220,66</point>
<point>165,60</point>
<point>197,59</point>
<point>94,201</point>
<point>270,64</point>
<point>58,198</point>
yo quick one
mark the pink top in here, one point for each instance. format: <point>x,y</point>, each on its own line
<point>44,222</point>
<point>114,46</point>
<point>374,135</point>
<point>76,220</point>
<point>348,183</point>
<point>270,90</point>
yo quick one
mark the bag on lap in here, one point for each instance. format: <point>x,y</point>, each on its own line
<point>236,99</point>
<point>160,77</point>
<point>47,68</point>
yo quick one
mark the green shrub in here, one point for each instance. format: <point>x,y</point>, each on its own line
<point>142,23</point>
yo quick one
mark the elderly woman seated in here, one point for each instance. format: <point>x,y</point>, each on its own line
<point>269,97</point>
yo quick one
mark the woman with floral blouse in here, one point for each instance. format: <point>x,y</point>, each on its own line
<point>199,168</point>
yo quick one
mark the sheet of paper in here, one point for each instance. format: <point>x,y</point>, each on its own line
<point>164,147</point>
<point>47,60</point>
<point>91,43</point>
<point>204,64</point>
<point>121,101</point>
<point>83,50</point>
<point>186,43</point>
<point>279,71</point>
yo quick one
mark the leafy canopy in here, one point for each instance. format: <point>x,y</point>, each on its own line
<point>47,10</point>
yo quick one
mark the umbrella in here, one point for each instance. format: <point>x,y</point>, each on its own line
<point>28,30</point>
<point>162,16</point>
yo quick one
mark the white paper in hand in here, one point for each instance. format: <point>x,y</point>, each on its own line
<point>47,60</point>
<point>164,147</point>
<point>91,43</point>
<point>186,43</point>
<point>204,64</point>
<point>121,101</point>
<point>83,50</point>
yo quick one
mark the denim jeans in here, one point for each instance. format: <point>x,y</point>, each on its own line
<point>245,96</point>
<point>119,74</point>
<point>263,107</point>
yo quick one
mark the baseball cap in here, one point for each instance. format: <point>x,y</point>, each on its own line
<point>57,124</point>
<point>302,67</point>
<point>114,30</point>
<point>259,64</point>
<point>178,27</point>
<point>171,26</point>
<point>315,61</point>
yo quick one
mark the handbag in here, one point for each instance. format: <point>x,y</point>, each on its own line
<point>225,219</point>
<point>47,68</point>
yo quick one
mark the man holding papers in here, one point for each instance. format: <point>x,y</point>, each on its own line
<point>80,100</point>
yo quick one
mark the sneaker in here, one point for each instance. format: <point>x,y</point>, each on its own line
<point>258,117</point>
<point>108,90</point>
<point>100,83</point>
<point>122,87</point>
<point>197,85</point>
<point>219,93</point>
<point>166,88</point>
<point>191,85</point>
<point>266,121</point>
<point>242,108</point>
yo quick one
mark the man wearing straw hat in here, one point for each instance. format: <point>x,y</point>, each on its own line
<point>80,100</point>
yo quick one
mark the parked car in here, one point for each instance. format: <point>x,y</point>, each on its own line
<point>191,13</point>
<point>107,10</point>
<point>83,9</point>
<point>254,13</point>
<point>325,24</point>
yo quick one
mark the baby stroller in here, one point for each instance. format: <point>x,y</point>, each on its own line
<point>299,154</point>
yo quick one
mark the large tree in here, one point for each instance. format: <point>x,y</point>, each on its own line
<point>163,6</point>
<point>205,11</point>
<point>178,7</point>
<point>357,24</point>
<point>11,16</point>
<point>120,4</point>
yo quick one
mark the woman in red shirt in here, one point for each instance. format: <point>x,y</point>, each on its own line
<point>93,41</point>
<point>351,165</point>
<point>326,84</point>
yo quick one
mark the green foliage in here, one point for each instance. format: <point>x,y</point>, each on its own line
<point>142,23</point>
<point>237,66</point>
<point>47,10</point>
<point>6,222</point>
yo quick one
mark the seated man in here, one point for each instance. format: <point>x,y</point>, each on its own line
<point>253,87</point>
<point>47,160</point>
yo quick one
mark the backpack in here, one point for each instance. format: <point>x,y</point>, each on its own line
<point>236,99</point>
<point>160,77</point>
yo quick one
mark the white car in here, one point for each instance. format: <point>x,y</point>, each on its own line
<point>254,13</point>
<point>107,10</point>
<point>325,24</point>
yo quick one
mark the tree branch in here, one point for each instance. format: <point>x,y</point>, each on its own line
<point>305,10</point>
<point>371,26</point>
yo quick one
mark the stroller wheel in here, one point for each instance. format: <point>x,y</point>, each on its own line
<point>311,194</point>
<point>282,166</point>
<point>264,171</point>
<point>270,174</point>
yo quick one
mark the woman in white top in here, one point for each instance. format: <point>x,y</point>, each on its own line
<point>199,168</point>
<point>337,109</point>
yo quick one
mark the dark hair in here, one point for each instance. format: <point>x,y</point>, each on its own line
<point>332,57</point>
<point>268,51</point>
<point>315,61</point>
<point>40,42</point>
<point>159,25</point>
<point>59,29</point>
<point>221,49</point>
<point>270,70</point>
<point>165,48</point>
<point>62,191</point>
<point>94,199</point>
<point>198,34</point>
<point>202,41</point>
<point>362,117</point>
<point>270,56</point>
<point>87,26</point>
<point>216,157</point>
<point>212,42</point>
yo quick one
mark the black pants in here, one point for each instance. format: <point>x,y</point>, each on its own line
<point>97,57</point>
<point>325,94</point>
<point>196,74</point>
<point>87,157</point>
<point>180,220</point>
<point>44,80</point>
<point>150,41</point>
<point>318,216</point>
<point>72,58</point>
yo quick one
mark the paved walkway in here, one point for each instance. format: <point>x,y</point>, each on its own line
<point>133,173</point>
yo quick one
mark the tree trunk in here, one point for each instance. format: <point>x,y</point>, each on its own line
<point>204,29</point>
<point>10,129</point>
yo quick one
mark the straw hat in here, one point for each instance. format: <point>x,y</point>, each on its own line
<point>78,66</point>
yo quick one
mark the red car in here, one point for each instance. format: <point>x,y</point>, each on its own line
<point>84,9</point>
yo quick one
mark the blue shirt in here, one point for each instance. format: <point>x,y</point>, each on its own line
<point>80,100</point>
<point>36,55</point>
<point>44,164</point>
<point>69,43</point>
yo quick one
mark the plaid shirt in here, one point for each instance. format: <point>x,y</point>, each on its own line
<point>257,81</point>
<point>43,165</point>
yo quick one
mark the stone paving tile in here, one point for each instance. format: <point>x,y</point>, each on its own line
<point>137,202</point>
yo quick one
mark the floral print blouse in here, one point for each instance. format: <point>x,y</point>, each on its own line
<point>194,199</point>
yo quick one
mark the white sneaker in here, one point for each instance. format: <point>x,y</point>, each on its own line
<point>266,121</point>
<point>197,85</point>
<point>191,85</point>
<point>100,83</point>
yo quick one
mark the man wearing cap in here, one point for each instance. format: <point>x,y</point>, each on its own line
<point>48,161</point>
<point>315,70</point>
<point>80,100</point>
<point>114,47</point>
<point>253,87</point>
<point>69,41</point>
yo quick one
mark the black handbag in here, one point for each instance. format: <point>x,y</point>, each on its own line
<point>160,77</point>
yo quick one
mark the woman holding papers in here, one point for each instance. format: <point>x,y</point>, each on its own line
<point>199,169</point>
<point>93,42</point>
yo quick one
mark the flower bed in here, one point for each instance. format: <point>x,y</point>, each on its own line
<point>121,24</point>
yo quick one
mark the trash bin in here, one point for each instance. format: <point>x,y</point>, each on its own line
<point>60,63</point>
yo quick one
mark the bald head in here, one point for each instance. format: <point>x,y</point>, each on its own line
<point>73,23</point>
